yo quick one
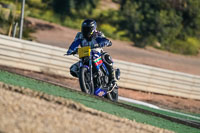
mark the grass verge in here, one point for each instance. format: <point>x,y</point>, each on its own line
<point>177,115</point>
<point>92,102</point>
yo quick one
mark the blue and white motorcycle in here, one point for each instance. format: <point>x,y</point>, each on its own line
<point>94,75</point>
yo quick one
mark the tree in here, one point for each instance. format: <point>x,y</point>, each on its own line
<point>149,21</point>
<point>191,17</point>
<point>69,7</point>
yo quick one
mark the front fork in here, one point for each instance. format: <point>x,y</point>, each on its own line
<point>90,69</point>
<point>91,75</point>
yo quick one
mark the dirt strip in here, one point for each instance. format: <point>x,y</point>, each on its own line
<point>25,111</point>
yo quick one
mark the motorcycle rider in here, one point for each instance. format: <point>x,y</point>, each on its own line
<point>89,36</point>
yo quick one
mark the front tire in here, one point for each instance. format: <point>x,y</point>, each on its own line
<point>85,82</point>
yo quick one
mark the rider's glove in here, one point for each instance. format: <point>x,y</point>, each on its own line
<point>70,52</point>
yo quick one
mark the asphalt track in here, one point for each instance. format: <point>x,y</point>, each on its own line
<point>190,123</point>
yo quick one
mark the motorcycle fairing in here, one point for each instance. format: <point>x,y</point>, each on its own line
<point>97,59</point>
<point>100,92</point>
<point>97,62</point>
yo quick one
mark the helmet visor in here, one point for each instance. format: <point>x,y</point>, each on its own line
<point>87,32</point>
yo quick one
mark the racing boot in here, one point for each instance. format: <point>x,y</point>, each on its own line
<point>117,74</point>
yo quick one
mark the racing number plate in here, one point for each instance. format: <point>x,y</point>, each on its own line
<point>84,51</point>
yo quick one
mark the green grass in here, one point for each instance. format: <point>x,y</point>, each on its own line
<point>92,102</point>
<point>167,113</point>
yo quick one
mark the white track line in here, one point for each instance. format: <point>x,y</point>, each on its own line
<point>138,102</point>
<point>155,107</point>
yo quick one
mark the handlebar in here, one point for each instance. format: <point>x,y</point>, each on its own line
<point>75,55</point>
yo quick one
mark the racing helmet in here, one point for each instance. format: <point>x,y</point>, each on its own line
<point>88,28</point>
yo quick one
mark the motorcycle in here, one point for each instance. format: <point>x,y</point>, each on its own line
<point>94,75</point>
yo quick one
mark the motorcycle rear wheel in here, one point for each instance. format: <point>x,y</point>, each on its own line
<point>85,83</point>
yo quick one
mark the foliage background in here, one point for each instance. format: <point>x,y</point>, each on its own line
<point>172,25</point>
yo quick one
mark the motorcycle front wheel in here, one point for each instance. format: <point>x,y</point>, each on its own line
<point>85,81</point>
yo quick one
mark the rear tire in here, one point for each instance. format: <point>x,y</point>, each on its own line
<point>84,79</point>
